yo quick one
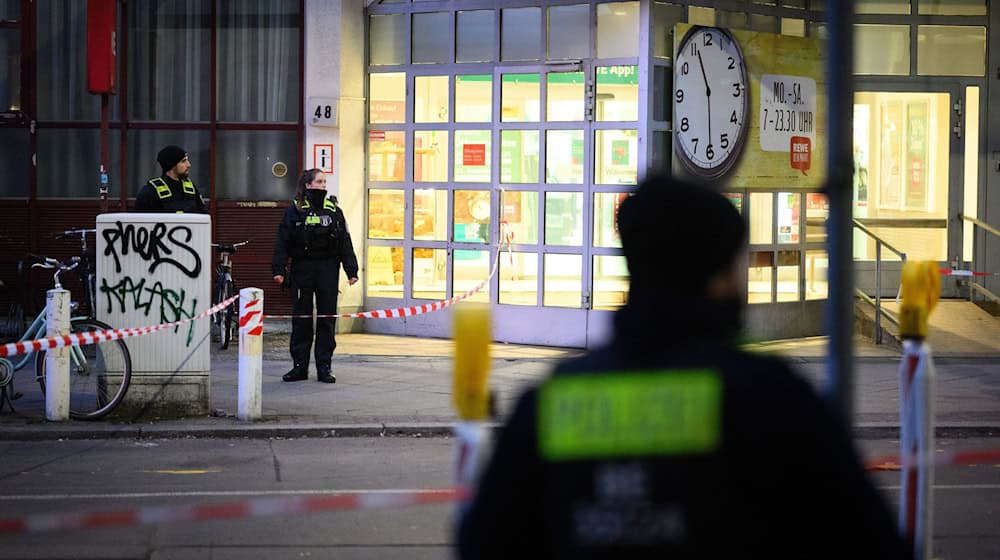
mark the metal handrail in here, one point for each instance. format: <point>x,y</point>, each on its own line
<point>888,315</point>
<point>980,223</point>
<point>879,242</point>
<point>972,285</point>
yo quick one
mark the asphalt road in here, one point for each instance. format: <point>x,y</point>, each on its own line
<point>109,475</point>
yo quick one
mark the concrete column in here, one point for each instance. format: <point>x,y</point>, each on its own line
<point>251,354</point>
<point>57,359</point>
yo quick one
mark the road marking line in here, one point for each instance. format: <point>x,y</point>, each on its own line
<point>954,487</point>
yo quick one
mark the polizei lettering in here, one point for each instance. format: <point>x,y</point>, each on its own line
<point>157,245</point>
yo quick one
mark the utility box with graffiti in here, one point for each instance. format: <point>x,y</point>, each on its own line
<point>153,269</point>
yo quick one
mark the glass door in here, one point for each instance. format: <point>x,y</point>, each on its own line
<point>908,149</point>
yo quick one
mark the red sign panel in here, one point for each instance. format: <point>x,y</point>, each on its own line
<point>102,56</point>
<point>801,153</point>
<point>473,154</point>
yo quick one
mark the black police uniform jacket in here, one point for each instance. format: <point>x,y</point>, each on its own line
<point>783,480</point>
<point>314,230</point>
<point>163,194</point>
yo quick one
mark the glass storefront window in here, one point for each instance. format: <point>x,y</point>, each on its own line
<point>563,281</point>
<point>736,199</point>
<point>472,156</point>
<point>10,70</point>
<point>789,224</point>
<point>430,156</point>
<point>732,20</point>
<point>519,278</point>
<point>469,269</point>
<point>386,155</point>
<point>564,96</point>
<point>793,27</point>
<point>951,50</point>
<point>430,214</point>
<point>618,30</point>
<point>761,218</point>
<point>520,98</point>
<point>387,39</point>
<point>519,156</point>
<point>520,217</point>
<point>388,98</point>
<point>385,213</point>
<point>759,277</point>
<point>10,10</point>
<point>244,164</point>
<point>665,17</point>
<point>430,99</point>
<point>143,145</point>
<point>429,273</point>
<point>788,276</point>
<point>474,98</point>
<point>610,281</point>
<point>564,156</point>
<point>617,96</point>
<point>817,266</point>
<point>475,41</point>
<point>882,7</point>
<point>970,178</point>
<point>606,219</point>
<point>61,62</point>
<point>952,7</point>
<point>767,24</point>
<point>569,32</point>
<point>251,87</point>
<point>520,34</point>
<point>384,273</point>
<point>617,158</point>
<point>701,16</point>
<point>891,42</point>
<point>15,160</point>
<point>472,216</point>
<point>564,218</point>
<point>431,37</point>
<point>64,153</point>
<point>817,211</point>
<point>168,51</point>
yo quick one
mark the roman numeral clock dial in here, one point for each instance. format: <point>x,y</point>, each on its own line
<point>711,102</point>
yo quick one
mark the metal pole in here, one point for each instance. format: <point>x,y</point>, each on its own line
<point>878,292</point>
<point>105,149</point>
<point>840,165</point>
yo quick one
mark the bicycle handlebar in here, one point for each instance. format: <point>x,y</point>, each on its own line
<point>230,247</point>
<point>72,232</point>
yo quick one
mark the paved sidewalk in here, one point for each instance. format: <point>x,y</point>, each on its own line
<point>402,385</point>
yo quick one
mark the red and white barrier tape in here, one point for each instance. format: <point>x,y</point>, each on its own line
<point>967,273</point>
<point>256,507</point>
<point>402,311</point>
<point>93,337</point>
<point>947,458</point>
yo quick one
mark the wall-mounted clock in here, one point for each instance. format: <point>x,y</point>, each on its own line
<point>711,101</point>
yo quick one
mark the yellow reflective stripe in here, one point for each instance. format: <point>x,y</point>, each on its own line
<point>188,187</point>
<point>329,205</point>
<point>312,220</point>
<point>629,414</point>
<point>162,190</point>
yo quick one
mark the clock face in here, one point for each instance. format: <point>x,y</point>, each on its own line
<point>711,101</point>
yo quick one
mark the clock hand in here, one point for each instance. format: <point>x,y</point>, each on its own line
<point>708,97</point>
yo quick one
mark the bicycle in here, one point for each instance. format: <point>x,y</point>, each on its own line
<point>99,373</point>
<point>86,271</point>
<point>225,287</point>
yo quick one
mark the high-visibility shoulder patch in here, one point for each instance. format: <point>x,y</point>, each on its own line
<point>329,205</point>
<point>629,414</point>
<point>162,189</point>
<point>188,187</point>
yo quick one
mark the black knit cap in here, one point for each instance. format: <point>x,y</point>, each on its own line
<point>676,235</point>
<point>170,156</point>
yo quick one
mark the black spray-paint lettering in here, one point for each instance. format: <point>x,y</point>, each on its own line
<point>156,245</point>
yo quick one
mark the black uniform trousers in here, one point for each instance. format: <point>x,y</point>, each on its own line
<point>314,279</point>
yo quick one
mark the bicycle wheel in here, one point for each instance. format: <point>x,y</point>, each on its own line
<point>227,316</point>
<point>99,374</point>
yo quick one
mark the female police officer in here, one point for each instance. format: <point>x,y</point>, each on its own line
<point>314,234</point>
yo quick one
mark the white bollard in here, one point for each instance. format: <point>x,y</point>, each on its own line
<point>916,423</point>
<point>57,359</point>
<point>251,367</point>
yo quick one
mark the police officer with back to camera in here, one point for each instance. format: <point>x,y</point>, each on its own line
<point>172,191</point>
<point>314,234</point>
<point>671,441</point>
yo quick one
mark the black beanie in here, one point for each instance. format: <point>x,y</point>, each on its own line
<point>677,235</point>
<point>170,156</point>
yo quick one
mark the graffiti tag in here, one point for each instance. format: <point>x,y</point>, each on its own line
<point>169,303</point>
<point>158,245</point>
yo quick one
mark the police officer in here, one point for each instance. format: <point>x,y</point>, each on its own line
<point>672,442</point>
<point>172,191</point>
<point>314,234</point>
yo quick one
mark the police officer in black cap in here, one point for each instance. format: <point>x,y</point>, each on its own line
<point>671,441</point>
<point>314,234</point>
<point>172,191</point>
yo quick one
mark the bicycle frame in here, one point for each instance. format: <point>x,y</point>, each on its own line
<point>37,330</point>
